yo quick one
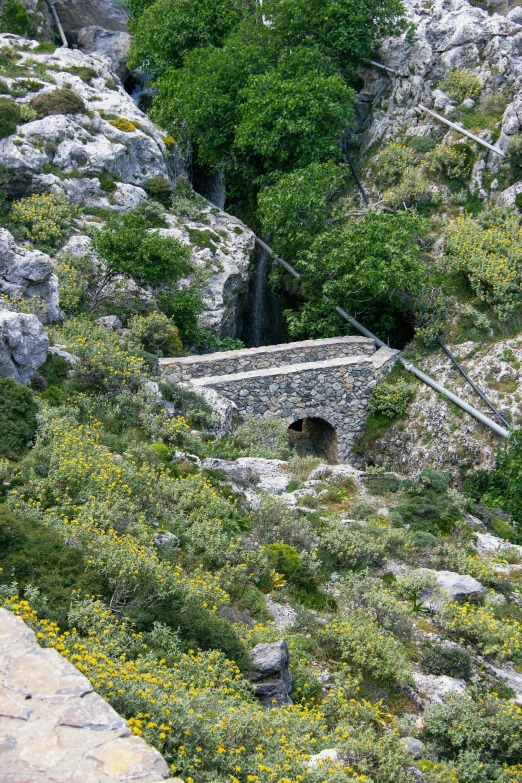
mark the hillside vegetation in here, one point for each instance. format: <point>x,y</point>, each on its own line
<point>156,572</point>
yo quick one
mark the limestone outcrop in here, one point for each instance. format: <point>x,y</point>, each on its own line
<point>54,727</point>
<point>26,274</point>
<point>23,345</point>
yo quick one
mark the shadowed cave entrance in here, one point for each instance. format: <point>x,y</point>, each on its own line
<point>315,437</point>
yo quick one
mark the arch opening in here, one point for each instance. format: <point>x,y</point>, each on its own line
<point>314,437</point>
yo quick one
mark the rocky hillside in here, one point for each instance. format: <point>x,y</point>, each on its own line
<point>251,615</point>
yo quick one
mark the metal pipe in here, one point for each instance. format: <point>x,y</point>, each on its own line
<point>460,129</point>
<point>58,23</point>
<point>453,397</point>
<point>384,68</point>
<point>471,383</point>
<point>407,365</point>
<point>358,181</point>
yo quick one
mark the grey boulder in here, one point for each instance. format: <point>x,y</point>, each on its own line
<point>23,345</point>
<point>28,273</point>
<point>114,44</point>
<point>75,14</point>
<point>459,586</point>
<point>272,679</point>
<point>413,746</point>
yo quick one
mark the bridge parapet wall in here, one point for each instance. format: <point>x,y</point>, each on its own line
<point>335,390</point>
<point>265,358</point>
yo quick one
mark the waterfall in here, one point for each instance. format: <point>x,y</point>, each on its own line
<point>262,323</point>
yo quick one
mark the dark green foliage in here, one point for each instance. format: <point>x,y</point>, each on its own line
<point>184,307</point>
<point>107,182</point>
<point>503,529</point>
<point>199,629</point>
<point>429,511</point>
<point>45,47</point>
<point>14,18</point>
<point>54,370</point>
<point>453,661</point>
<point>285,560</point>
<point>371,266</point>
<point>378,484</point>
<point>159,189</point>
<point>33,554</point>
<point>4,88</point>
<point>421,540</point>
<point>127,248</point>
<point>17,419</point>
<point>167,29</point>
<point>9,117</point>
<point>60,101</point>
<point>421,144</point>
<point>505,482</point>
<point>430,478</point>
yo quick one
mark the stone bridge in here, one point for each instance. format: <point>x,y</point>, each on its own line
<point>319,388</point>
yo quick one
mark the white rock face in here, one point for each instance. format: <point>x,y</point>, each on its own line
<point>76,14</point>
<point>112,44</point>
<point>326,758</point>
<point>436,689</point>
<point>79,142</point>
<point>23,345</point>
<point>459,585</point>
<point>28,273</point>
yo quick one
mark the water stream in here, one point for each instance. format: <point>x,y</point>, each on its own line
<point>262,321</point>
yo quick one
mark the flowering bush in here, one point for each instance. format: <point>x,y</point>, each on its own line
<point>392,399</point>
<point>392,163</point>
<point>157,333</point>
<point>45,219</point>
<point>460,84</point>
<point>488,251</point>
<point>452,161</point>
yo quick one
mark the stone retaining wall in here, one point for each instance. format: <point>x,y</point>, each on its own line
<point>336,390</point>
<point>54,728</point>
<point>265,357</point>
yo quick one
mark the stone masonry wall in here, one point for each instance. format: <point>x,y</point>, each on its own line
<point>265,357</point>
<point>336,390</point>
<point>54,728</point>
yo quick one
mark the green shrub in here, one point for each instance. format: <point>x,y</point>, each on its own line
<point>430,478</point>
<point>157,333</point>
<point>160,189</point>
<point>391,399</point>
<point>85,73</point>
<point>17,419</point>
<point>54,370</point>
<point>413,190</point>
<point>452,661</point>
<point>196,411</point>
<point>459,84</point>
<point>365,649</point>
<point>503,529</point>
<point>45,219</point>
<point>428,511</point>
<point>514,152</point>
<point>392,163</point>
<point>184,306</point>
<point>486,249</point>
<point>154,213</point>
<point>505,482</point>
<point>453,161</point>
<point>285,560</point>
<point>421,144</point>
<point>10,117</point>
<point>185,202</point>
<point>14,18</point>
<point>350,547</point>
<point>34,555</point>
<point>255,438</point>
<point>60,101</point>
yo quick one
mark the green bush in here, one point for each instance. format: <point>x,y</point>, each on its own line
<point>430,478</point>
<point>197,412</point>
<point>85,73</point>
<point>17,419</point>
<point>159,188</point>
<point>514,152</point>
<point>14,18</point>
<point>391,164</point>
<point>45,219</point>
<point>54,370</point>
<point>421,144</point>
<point>350,547</point>
<point>391,399</point>
<point>34,554</point>
<point>285,560</point>
<point>452,661</point>
<point>505,481</point>
<point>503,529</point>
<point>60,101</point>
<point>185,202</point>
<point>10,117</point>
<point>453,161</point>
<point>157,333</point>
<point>255,438</point>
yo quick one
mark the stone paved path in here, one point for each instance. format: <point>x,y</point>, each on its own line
<point>54,728</point>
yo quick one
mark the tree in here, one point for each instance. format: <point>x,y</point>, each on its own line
<point>127,248</point>
<point>505,481</point>
<point>166,30</point>
<point>371,267</point>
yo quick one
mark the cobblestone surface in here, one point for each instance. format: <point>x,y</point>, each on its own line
<point>335,390</point>
<point>54,728</point>
<point>266,357</point>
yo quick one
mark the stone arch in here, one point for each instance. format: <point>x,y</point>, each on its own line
<point>314,436</point>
